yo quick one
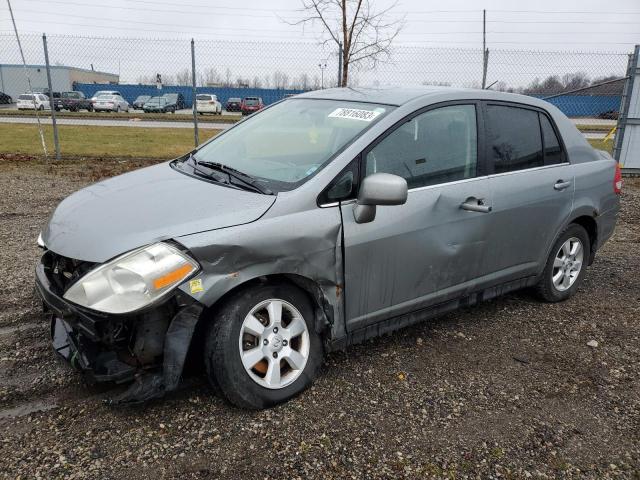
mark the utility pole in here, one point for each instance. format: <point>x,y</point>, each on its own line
<point>484,49</point>
<point>322,67</point>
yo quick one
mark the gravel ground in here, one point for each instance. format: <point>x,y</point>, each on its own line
<point>507,389</point>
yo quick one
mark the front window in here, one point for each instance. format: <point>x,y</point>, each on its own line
<point>285,144</point>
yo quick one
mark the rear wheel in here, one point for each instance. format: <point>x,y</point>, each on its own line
<point>118,109</point>
<point>262,348</point>
<point>566,265</point>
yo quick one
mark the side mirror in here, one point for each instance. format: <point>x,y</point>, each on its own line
<point>379,189</point>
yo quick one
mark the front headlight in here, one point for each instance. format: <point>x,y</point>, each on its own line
<point>132,280</point>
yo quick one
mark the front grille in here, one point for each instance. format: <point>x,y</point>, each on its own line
<point>62,271</point>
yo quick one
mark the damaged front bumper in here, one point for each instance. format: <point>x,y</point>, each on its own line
<point>149,348</point>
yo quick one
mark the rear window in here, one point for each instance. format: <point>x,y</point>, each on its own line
<point>236,100</point>
<point>514,139</point>
<point>203,97</point>
<point>25,97</point>
<point>251,101</point>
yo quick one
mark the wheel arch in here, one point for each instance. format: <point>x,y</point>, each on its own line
<point>324,314</point>
<point>591,226</point>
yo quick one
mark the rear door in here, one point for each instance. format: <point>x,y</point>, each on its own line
<point>532,188</point>
<point>429,249</point>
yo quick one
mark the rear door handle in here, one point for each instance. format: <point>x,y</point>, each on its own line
<point>473,204</point>
<point>561,185</point>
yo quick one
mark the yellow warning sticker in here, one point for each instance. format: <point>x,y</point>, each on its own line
<point>196,285</point>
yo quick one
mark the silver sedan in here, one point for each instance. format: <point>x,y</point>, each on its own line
<point>111,103</point>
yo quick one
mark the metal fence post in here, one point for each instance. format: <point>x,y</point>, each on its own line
<point>625,102</point>
<point>193,95</point>
<point>51,99</point>
<point>340,64</point>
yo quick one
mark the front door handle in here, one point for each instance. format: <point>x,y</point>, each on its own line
<point>561,185</point>
<point>473,204</point>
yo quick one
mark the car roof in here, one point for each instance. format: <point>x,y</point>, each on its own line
<point>400,95</point>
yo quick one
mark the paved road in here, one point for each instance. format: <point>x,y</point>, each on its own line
<point>117,123</point>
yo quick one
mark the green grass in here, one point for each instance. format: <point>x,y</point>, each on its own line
<point>594,128</point>
<point>167,117</point>
<point>95,141</point>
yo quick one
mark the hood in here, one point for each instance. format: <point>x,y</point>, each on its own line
<point>148,205</point>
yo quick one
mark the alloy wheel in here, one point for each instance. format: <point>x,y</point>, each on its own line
<point>567,264</point>
<point>274,343</point>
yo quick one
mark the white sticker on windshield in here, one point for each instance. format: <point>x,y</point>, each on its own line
<point>354,114</point>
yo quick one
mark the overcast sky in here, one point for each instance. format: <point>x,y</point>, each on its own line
<point>544,24</point>
<point>549,25</point>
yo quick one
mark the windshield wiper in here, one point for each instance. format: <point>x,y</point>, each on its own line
<point>232,173</point>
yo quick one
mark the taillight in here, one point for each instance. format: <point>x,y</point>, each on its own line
<point>617,180</point>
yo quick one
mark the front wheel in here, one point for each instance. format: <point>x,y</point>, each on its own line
<point>566,265</point>
<point>262,349</point>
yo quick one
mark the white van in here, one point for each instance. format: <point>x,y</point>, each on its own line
<point>208,103</point>
<point>26,102</point>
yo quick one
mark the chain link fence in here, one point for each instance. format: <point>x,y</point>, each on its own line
<point>582,84</point>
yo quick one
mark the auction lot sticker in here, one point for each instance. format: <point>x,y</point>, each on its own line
<point>354,114</point>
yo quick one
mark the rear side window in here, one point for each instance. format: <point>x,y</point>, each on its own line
<point>437,146</point>
<point>553,153</point>
<point>513,138</point>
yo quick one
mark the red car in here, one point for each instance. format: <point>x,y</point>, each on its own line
<point>250,105</point>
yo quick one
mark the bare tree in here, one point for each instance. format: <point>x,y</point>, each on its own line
<point>280,80</point>
<point>366,34</point>
<point>183,77</point>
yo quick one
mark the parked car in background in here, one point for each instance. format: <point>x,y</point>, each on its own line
<point>138,103</point>
<point>175,101</point>
<point>94,99</point>
<point>4,98</point>
<point>251,105</point>
<point>72,101</point>
<point>234,104</point>
<point>208,103</point>
<point>158,105</point>
<point>26,102</point>
<point>413,201</point>
<point>111,103</point>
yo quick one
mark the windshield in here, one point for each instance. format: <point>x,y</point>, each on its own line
<point>156,101</point>
<point>171,96</point>
<point>287,143</point>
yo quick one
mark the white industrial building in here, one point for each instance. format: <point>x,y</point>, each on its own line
<point>13,81</point>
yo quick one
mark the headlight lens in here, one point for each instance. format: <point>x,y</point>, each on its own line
<point>133,280</point>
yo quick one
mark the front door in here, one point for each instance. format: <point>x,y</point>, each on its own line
<point>429,249</point>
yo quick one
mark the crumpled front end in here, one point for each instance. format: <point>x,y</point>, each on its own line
<point>148,347</point>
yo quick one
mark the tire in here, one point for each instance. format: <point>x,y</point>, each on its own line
<point>245,388</point>
<point>563,266</point>
<point>41,107</point>
<point>118,109</point>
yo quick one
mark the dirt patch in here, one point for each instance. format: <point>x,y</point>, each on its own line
<point>506,389</point>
